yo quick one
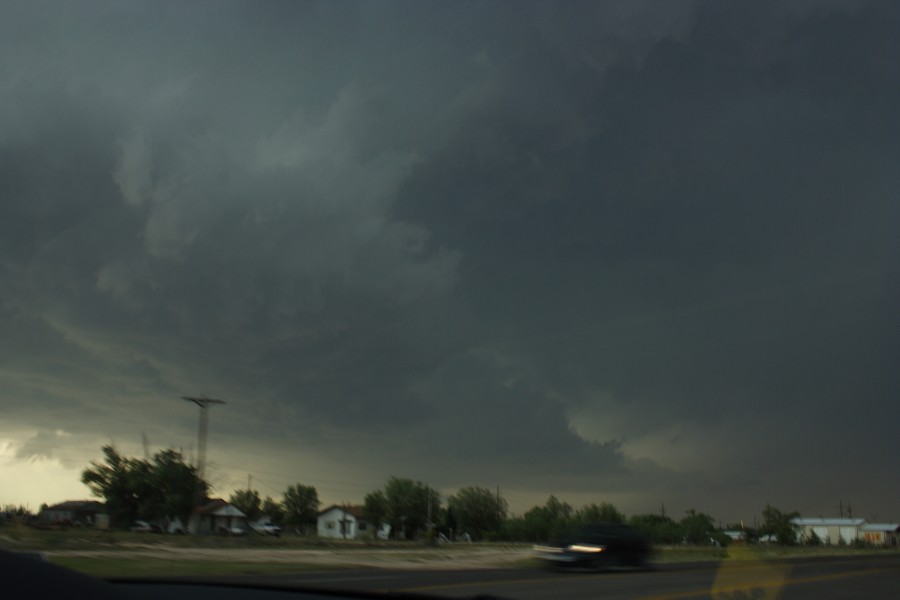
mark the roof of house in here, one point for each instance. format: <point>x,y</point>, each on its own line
<point>211,505</point>
<point>357,511</point>
<point>81,505</point>
<point>881,527</point>
<point>217,506</point>
<point>829,522</point>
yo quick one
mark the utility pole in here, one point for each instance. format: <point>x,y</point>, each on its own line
<point>841,507</point>
<point>428,523</point>
<point>204,403</point>
<point>249,482</point>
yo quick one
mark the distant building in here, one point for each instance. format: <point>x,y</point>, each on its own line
<point>72,512</point>
<point>218,516</point>
<point>736,536</point>
<point>830,531</point>
<point>881,534</point>
<point>347,522</point>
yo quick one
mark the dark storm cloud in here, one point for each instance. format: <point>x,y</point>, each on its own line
<point>556,245</point>
<point>695,258</point>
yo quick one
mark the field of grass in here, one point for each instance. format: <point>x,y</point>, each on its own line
<point>21,536</point>
<point>117,553</point>
<point>156,567</point>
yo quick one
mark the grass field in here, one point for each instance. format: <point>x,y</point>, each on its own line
<point>155,567</point>
<point>116,553</point>
<point>76,538</point>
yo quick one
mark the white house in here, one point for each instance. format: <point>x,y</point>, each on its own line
<point>217,516</point>
<point>348,523</point>
<point>830,531</point>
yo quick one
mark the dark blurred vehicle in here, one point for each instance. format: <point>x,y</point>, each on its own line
<point>598,546</point>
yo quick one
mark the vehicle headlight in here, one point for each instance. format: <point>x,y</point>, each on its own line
<point>585,548</point>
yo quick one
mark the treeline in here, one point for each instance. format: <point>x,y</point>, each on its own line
<point>16,513</point>
<point>297,509</point>
<point>166,487</point>
<point>555,517</point>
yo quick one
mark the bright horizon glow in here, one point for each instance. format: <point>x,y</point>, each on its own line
<point>37,481</point>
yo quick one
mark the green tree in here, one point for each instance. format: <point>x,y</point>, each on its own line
<point>558,509</point>
<point>273,510</point>
<point>375,510</point>
<point>541,523</point>
<point>780,524</point>
<point>176,486</point>
<point>698,528</point>
<point>660,529</point>
<point>15,512</point>
<point>112,481</point>
<point>301,506</point>
<point>813,539</point>
<point>477,511</point>
<point>248,502</point>
<point>133,488</point>
<point>409,504</point>
<point>605,513</point>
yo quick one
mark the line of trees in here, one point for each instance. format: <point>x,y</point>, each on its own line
<point>166,486</point>
<point>409,507</point>
<point>298,508</point>
<point>555,517</point>
<point>476,511</point>
<point>414,510</point>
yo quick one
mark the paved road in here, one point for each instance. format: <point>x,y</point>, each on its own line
<point>852,577</point>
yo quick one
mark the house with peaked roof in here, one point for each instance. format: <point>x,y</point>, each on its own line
<point>217,516</point>
<point>348,523</point>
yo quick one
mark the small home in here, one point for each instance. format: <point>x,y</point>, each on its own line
<point>348,523</point>
<point>218,516</point>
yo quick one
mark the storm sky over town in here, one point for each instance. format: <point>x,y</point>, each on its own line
<point>644,252</point>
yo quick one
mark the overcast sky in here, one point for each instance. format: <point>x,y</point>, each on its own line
<point>643,252</point>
